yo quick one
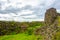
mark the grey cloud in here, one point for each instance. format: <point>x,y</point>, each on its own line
<point>27,7</point>
<point>11,9</point>
<point>39,12</point>
<point>56,4</point>
<point>30,18</point>
<point>8,1</point>
<point>27,14</point>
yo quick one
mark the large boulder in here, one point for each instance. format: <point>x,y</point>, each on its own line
<point>50,16</point>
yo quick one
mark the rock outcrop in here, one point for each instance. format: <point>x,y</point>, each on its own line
<point>50,16</point>
<point>50,24</point>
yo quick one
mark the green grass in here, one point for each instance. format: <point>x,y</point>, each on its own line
<point>57,36</point>
<point>58,18</point>
<point>28,35</point>
<point>20,36</point>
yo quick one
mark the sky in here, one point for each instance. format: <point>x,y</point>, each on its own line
<point>26,10</point>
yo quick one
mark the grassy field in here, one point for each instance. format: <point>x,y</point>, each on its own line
<point>27,35</point>
<point>21,36</point>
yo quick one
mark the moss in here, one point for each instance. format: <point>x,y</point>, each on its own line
<point>58,18</point>
<point>56,36</point>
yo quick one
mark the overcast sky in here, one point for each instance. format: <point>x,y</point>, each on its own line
<point>26,10</point>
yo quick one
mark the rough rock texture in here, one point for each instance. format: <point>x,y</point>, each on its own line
<point>50,27</point>
<point>50,16</point>
<point>51,23</point>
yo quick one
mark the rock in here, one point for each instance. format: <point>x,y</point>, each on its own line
<point>51,24</point>
<point>50,16</point>
<point>24,27</point>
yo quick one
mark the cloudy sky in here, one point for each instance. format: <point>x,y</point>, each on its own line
<point>26,10</point>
